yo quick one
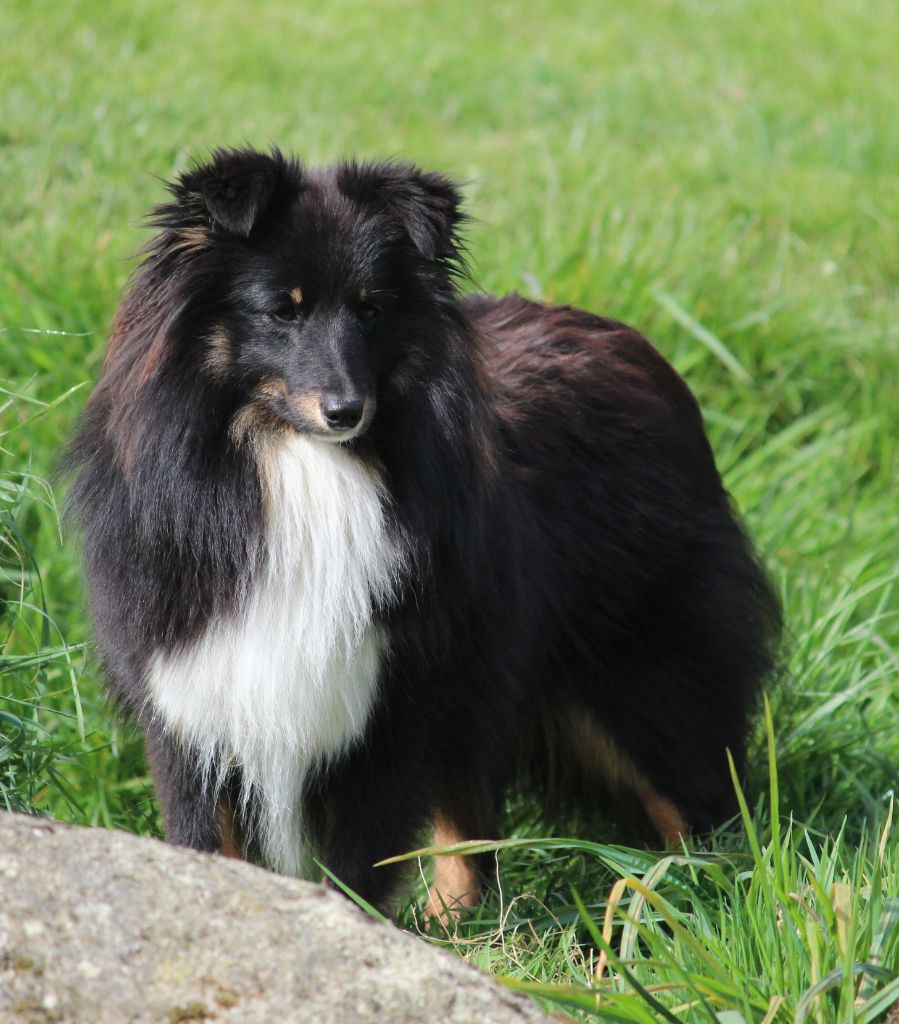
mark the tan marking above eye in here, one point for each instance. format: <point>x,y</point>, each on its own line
<point>296,296</point>
<point>363,295</point>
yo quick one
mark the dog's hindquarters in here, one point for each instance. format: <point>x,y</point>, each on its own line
<point>657,624</point>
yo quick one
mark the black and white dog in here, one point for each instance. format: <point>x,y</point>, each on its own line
<point>363,554</point>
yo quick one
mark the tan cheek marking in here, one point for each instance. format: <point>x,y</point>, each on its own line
<point>598,756</point>
<point>274,388</point>
<point>256,415</point>
<point>309,407</point>
<point>232,845</point>
<point>218,354</point>
<point>455,880</point>
<point>297,296</point>
<point>246,418</point>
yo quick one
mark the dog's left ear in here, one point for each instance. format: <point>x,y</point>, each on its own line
<point>427,204</point>
<point>231,191</point>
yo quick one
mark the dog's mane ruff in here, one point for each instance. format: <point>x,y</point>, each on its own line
<point>159,488</point>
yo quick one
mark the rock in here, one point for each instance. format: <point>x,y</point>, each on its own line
<point>99,926</point>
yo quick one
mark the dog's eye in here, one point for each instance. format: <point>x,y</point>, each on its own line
<point>368,311</point>
<point>287,313</point>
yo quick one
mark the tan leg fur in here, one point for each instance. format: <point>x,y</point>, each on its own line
<point>600,757</point>
<point>455,881</point>
<point>231,841</point>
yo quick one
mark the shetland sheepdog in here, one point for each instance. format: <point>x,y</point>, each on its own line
<point>364,554</point>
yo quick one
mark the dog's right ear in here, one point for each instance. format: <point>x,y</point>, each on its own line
<point>230,192</point>
<point>427,204</point>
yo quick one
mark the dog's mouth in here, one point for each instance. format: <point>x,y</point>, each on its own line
<point>335,435</point>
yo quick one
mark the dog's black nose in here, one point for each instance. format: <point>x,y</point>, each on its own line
<point>342,413</point>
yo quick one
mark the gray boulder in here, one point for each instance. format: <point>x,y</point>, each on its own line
<point>99,926</point>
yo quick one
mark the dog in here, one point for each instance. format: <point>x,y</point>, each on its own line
<point>363,554</point>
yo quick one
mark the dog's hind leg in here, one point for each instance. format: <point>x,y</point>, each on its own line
<point>663,813</point>
<point>599,758</point>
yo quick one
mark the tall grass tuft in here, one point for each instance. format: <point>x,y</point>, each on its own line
<point>36,663</point>
<point>779,923</point>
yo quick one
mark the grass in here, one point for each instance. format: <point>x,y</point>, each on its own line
<point>721,176</point>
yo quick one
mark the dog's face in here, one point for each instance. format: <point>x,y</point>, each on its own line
<point>312,284</point>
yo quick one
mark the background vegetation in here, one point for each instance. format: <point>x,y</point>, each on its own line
<point>721,175</point>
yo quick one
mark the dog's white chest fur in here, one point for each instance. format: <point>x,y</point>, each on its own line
<point>288,682</point>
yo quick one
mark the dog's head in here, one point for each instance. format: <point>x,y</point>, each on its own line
<point>301,290</point>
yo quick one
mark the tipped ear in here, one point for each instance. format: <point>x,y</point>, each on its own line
<point>427,204</point>
<point>232,190</point>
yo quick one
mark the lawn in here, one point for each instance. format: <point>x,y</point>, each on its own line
<point>722,176</point>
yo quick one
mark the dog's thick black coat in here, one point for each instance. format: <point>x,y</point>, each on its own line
<point>574,579</point>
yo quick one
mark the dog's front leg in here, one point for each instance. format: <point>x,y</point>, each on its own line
<point>194,814</point>
<point>455,885</point>
<point>375,804</point>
